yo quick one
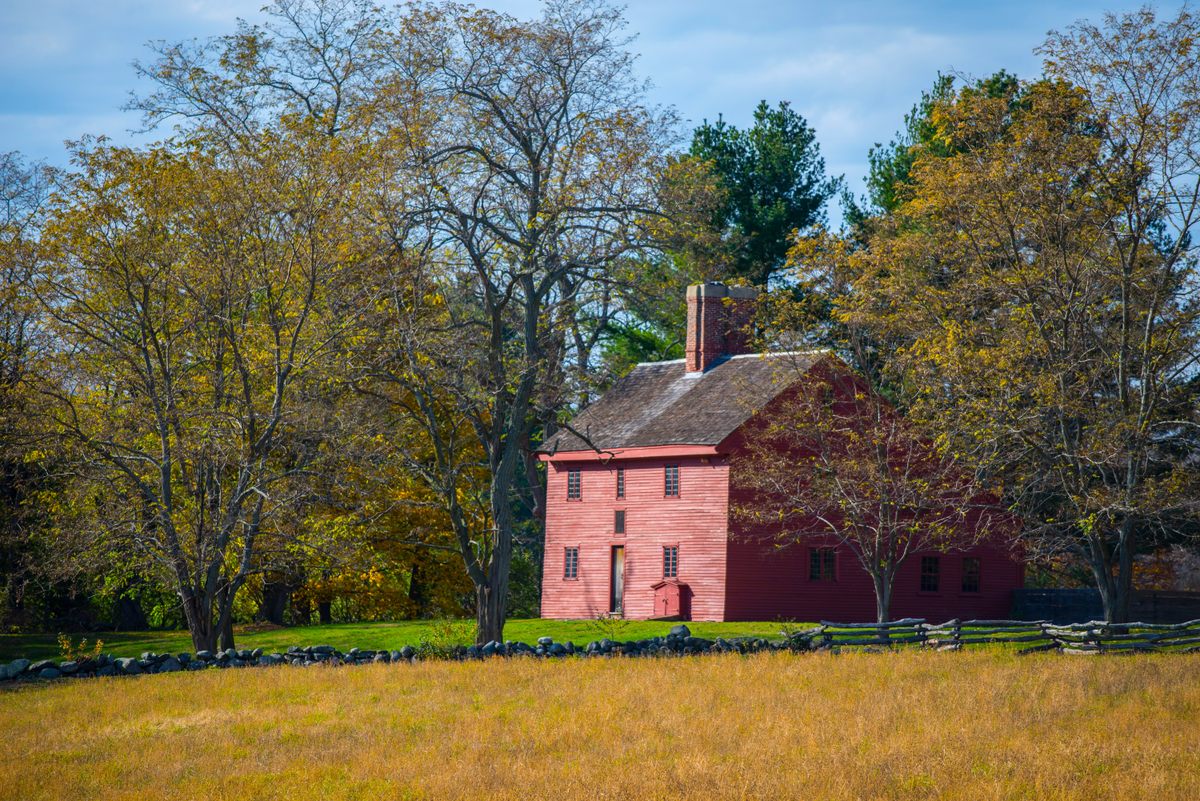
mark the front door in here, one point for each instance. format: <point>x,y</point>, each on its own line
<point>616,601</point>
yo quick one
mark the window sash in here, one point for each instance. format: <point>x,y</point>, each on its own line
<point>671,481</point>
<point>574,485</point>
<point>619,521</point>
<point>930,574</point>
<point>822,564</point>
<point>670,561</point>
<point>620,482</point>
<point>571,563</point>
<point>972,570</point>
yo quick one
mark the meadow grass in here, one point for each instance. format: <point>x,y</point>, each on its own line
<point>370,636</point>
<point>908,725</point>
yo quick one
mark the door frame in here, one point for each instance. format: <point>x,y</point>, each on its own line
<point>616,580</point>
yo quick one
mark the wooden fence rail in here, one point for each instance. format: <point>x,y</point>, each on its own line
<point>1033,635</point>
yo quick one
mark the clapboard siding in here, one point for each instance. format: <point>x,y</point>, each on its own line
<point>766,582</point>
<point>696,521</point>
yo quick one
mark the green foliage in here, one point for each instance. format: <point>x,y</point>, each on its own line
<point>441,637</point>
<point>775,181</point>
<point>629,344</point>
<point>890,166</point>
<point>611,627</point>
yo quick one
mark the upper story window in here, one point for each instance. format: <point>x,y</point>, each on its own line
<point>620,482</point>
<point>930,573</point>
<point>970,574</point>
<point>571,563</point>
<point>574,489</point>
<point>671,561</point>
<point>671,481</point>
<point>822,564</point>
<point>619,521</point>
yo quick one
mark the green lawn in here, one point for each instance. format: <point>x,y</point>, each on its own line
<point>375,636</point>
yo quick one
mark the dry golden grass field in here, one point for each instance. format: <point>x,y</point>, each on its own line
<point>978,725</point>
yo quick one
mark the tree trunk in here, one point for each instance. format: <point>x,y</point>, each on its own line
<point>225,617</point>
<point>883,596</point>
<point>276,592</point>
<point>1116,589</point>
<point>197,610</point>
<point>489,616</point>
<point>418,592</point>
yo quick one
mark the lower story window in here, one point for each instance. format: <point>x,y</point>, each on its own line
<point>930,573</point>
<point>822,564</point>
<point>970,574</point>
<point>671,561</point>
<point>570,563</point>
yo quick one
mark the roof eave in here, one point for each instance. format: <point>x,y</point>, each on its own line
<point>644,452</point>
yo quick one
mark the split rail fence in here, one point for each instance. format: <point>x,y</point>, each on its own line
<point>1032,635</point>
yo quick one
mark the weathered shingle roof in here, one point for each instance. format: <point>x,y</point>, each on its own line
<point>659,403</point>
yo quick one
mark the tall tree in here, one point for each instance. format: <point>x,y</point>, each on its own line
<point>1043,282</point>
<point>196,297</point>
<point>890,166</point>
<point>24,194</point>
<point>529,163</point>
<point>774,178</point>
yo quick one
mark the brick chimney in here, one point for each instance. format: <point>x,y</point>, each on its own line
<point>718,317</point>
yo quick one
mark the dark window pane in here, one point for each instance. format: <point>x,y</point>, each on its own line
<point>930,573</point>
<point>822,564</point>
<point>619,521</point>
<point>571,563</point>
<point>971,574</point>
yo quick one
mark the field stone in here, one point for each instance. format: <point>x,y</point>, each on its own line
<point>106,670</point>
<point>545,640</point>
<point>681,631</point>
<point>68,667</point>
<point>205,655</point>
<point>170,665</point>
<point>323,649</point>
<point>49,673</point>
<point>129,666</point>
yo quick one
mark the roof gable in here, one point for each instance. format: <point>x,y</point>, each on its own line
<point>660,403</point>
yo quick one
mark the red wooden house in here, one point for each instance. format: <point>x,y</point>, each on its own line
<point>638,502</point>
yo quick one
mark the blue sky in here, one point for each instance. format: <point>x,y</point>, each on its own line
<point>852,68</point>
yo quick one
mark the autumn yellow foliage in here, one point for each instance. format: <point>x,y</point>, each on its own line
<point>977,725</point>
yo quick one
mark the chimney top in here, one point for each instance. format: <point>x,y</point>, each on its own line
<point>716,289</point>
<point>717,323</point>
